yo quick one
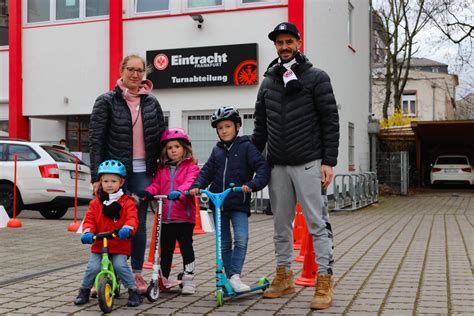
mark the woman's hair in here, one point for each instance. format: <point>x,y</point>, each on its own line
<point>124,62</point>
<point>188,152</point>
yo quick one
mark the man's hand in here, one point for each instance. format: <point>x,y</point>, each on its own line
<point>326,175</point>
<point>96,186</point>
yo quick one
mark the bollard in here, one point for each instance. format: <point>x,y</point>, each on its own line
<point>74,226</point>
<point>14,222</point>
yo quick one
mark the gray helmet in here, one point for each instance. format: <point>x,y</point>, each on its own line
<point>225,113</point>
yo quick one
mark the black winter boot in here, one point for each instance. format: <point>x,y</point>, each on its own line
<point>83,296</point>
<point>134,298</point>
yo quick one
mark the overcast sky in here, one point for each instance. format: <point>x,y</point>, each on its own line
<point>446,52</point>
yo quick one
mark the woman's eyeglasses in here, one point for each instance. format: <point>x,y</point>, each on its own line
<point>137,70</point>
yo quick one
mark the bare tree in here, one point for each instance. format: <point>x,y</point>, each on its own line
<point>402,21</point>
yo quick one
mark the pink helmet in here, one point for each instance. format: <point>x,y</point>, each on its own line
<point>175,133</point>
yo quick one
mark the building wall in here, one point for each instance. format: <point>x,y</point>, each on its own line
<point>218,29</point>
<point>326,45</point>
<point>422,83</point>
<point>66,75</point>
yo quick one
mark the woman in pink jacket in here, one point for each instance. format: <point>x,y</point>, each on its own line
<point>176,172</point>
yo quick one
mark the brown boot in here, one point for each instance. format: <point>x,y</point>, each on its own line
<point>281,285</point>
<point>323,292</point>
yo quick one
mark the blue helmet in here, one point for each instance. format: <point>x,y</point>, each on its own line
<point>112,167</point>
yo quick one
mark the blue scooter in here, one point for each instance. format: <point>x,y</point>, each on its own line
<point>223,287</point>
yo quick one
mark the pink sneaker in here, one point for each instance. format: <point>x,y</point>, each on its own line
<point>169,283</point>
<point>142,286</point>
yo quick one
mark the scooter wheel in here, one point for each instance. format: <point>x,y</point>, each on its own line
<point>219,297</point>
<point>105,295</point>
<point>153,292</point>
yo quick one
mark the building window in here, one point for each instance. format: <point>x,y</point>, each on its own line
<point>192,4</point>
<point>97,7</point>
<point>349,21</point>
<point>247,124</point>
<point>38,11</point>
<point>60,10</point>
<point>351,147</point>
<point>151,5</point>
<point>409,104</point>
<point>67,9</point>
<point>204,137</point>
<point>3,22</point>
<point>3,128</point>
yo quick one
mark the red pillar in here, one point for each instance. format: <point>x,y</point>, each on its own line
<point>296,16</point>
<point>18,124</point>
<point>115,41</point>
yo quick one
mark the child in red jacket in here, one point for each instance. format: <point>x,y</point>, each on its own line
<point>176,172</point>
<point>111,210</point>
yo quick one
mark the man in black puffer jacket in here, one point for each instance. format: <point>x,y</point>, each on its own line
<point>296,118</point>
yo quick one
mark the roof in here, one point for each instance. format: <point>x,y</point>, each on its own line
<point>424,62</point>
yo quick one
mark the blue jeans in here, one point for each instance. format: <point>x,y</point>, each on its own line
<point>234,258</point>
<point>121,267</point>
<point>137,182</point>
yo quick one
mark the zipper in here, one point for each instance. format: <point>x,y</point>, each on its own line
<point>172,175</point>
<point>227,151</point>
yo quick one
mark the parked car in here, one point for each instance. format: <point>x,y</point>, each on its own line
<point>452,169</point>
<point>45,178</point>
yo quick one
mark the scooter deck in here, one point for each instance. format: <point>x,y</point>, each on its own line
<point>253,288</point>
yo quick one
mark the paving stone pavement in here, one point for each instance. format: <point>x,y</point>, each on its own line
<point>403,256</point>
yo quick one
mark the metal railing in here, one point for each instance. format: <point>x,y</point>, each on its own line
<point>355,190</point>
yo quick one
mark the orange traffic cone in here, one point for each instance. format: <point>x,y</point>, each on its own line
<point>198,228</point>
<point>298,227</point>
<point>300,258</point>
<point>149,262</point>
<point>310,268</point>
<point>176,249</point>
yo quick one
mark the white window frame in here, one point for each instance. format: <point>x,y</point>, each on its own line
<point>206,8</point>
<point>409,98</point>
<point>351,147</point>
<point>261,3</point>
<point>350,26</point>
<point>154,12</point>
<point>52,14</point>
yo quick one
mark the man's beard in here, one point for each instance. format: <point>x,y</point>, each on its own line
<point>293,54</point>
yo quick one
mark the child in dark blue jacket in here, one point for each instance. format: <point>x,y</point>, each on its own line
<point>233,160</point>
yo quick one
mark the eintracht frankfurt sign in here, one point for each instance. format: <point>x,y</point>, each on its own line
<point>203,66</point>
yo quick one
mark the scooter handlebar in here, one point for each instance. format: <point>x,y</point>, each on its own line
<point>108,235</point>
<point>160,197</point>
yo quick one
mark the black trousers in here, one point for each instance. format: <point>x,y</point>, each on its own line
<point>183,233</point>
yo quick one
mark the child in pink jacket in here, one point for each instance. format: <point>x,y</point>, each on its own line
<point>176,172</point>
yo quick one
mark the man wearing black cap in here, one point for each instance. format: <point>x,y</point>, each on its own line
<point>296,118</point>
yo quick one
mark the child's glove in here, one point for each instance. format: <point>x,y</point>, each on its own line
<point>174,195</point>
<point>124,233</point>
<point>145,195</point>
<point>87,238</point>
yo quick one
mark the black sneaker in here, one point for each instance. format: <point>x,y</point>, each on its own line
<point>134,298</point>
<point>83,296</point>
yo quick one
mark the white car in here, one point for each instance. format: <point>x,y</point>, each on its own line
<point>45,178</point>
<point>452,169</point>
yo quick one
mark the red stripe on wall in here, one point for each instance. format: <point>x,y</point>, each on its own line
<point>18,126</point>
<point>296,16</point>
<point>115,41</point>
